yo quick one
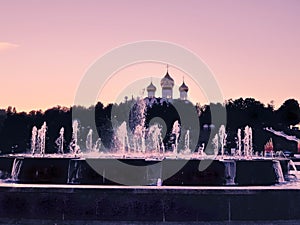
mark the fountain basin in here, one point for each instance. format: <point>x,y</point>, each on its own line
<point>6,164</point>
<point>110,171</point>
<point>217,173</point>
<point>259,171</point>
<point>172,172</point>
<point>40,170</point>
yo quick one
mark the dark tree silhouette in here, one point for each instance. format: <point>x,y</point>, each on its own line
<point>15,127</point>
<point>289,113</point>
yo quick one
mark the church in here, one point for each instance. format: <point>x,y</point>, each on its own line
<point>167,84</point>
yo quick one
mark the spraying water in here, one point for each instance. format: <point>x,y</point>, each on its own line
<point>176,133</point>
<point>187,142</point>
<point>89,141</point>
<point>60,141</point>
<point>248,141</point>
<point>122,138</point>
<point>239,142</point>
<point>140,130</point>
<point>33,140</point>
<point>278,171</point>
<point>138,139</point>
<point>223,136</point>
<point>16,168</point>
<point>155,137</point>
<point>201,150</point>
<point>42,138</point>
<point>97,145</point>
<point>215,143</point>
<point>74,147</point>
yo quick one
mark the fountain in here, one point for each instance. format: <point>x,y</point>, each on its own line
<point>97,145</point>
<point>140,130</point>
<point>155,139</point>
<point>292,170</point>
<point>91,147</point>
<point>60,141</point>
<point>42,139</point>
<point>248,151</point>
<point>144,150</point>
<point>122,142</point>
<point>38,140</point>
<point>278,171</point>
<point>187,149</point>
<point>17,164</point>
<point>222,136</point>
<point>33,140</point>
<point>176,133</point>
<point>143,147</point>
<point>74,147</point>
<point>139,139</point>
<point>250,142</point>
<point>216,144</point>
<point>201,152</point>
<point>89,141</point>
<point>239,143</point>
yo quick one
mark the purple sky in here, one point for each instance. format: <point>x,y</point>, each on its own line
<point>252,47</point>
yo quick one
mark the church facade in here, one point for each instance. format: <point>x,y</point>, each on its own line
<point>167,85</point>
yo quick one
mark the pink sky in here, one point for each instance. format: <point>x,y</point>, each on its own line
<point>252,47</point>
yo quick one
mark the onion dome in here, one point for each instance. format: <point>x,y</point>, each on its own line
<point>167,81</point>
<point>151,87</point>
<point>183,87</point>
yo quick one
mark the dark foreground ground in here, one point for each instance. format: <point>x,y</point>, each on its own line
<point>90,204</point>
<point>78,222</point>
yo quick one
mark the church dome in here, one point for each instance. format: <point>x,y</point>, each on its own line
<point>183,87</point>
<point>151,87</point>
<point>167,81</point>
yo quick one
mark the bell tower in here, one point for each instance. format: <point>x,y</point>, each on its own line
<point>167,84</point>
<point>151,90</point>
<point>183,90</point>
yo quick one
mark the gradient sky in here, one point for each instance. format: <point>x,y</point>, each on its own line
<point>252,47</point>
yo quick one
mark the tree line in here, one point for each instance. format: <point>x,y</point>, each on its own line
<point>16,127</point>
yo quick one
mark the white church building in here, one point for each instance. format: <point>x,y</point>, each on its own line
<point>167,85</point>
